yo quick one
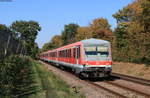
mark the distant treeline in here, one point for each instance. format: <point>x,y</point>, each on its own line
<point>130,39</point>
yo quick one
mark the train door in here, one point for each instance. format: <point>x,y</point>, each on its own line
<point>77,54</point>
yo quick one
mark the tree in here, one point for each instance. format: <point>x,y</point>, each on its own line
<point>56,41</point>
<point>144,17</point>
<point>47,46</point>
<point>83,33</point>
<point>26,32</point>
<point>68,35</point>
<point>5,35</point>
<point>133,31</point>
<point>100,28</point>
<point>34,50</point>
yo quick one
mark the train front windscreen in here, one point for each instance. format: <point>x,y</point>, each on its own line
<point>97,53</point>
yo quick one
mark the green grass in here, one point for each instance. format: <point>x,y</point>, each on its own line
<point>50,85</point>
<point>23,77</point>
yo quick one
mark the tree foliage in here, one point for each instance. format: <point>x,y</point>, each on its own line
<point>100,28</point>
<point>8,42</point>
<point>26,32</point>
<point>83,33</point>
<point>68,35</point>
<point>132,33</point>
<point>55,42</point>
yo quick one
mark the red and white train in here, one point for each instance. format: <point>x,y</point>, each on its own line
<point>87,58</point>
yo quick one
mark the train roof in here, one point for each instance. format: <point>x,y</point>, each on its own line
<point>95,41</point>
<point>85,42</point>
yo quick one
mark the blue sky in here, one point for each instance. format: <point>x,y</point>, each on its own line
<point>52,15</point>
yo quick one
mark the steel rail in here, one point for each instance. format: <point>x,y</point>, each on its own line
<point>132,79</point>
<point>130,89</point>
<point>106,89</point>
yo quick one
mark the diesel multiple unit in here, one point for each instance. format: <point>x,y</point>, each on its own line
<point>87,58</point>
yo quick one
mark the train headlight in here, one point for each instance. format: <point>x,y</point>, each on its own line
<point>107,64</point>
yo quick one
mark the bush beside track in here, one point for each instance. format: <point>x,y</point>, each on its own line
<point>22,77</point>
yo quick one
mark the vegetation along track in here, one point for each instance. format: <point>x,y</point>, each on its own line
<point>132,79</point>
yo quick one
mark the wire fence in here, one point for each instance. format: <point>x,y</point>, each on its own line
<point>9,45</point>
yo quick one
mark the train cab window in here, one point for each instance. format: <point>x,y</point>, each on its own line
<point>96,52</point>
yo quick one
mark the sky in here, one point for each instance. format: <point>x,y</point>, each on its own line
<point>52,15</point>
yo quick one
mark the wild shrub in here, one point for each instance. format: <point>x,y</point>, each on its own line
<point>16,76</point>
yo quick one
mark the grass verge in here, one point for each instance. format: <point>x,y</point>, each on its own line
<point>52,86</point>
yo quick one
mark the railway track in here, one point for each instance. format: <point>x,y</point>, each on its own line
<point>109,90</point>
<point>129,89</point>
<point>132,79</point>
<point>116,93</point>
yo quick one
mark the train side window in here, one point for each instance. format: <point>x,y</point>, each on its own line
<point>63,54</point>
<point>74,52</point>
<point>70,53</point>
<point>59,53</point>
<point>79,52</point>
<point>66,53</point>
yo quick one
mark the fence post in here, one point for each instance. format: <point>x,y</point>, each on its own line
<point>5,53</point>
